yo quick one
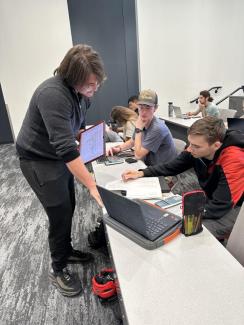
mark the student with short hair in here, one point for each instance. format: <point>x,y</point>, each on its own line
<point>217,156</point>
<point>152,140</point>
<point>133,103</point>
<point>206,107</point>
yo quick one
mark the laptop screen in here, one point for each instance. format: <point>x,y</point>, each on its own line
<point>92,143</point>
<point>235,123</point>
<point>177,111</point>
<point>125,211</point>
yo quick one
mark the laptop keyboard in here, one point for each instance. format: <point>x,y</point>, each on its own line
<point>159,225</point>
<point>109,159</point>
<point>101,160</point>
<point>126,154</point>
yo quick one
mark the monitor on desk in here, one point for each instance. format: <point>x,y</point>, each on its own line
<point>235,123</point>
<point>92,143</point>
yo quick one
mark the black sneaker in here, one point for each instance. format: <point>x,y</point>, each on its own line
<point>66,283</point>
<point>77,257</point>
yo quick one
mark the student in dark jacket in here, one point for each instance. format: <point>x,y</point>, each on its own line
<point>49,158</point>
<point>217,156</point>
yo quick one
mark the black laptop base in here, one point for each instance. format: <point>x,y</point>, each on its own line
<point>137,238</point>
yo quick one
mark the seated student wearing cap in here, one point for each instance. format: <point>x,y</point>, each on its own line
<point>217,156</point>
<point>206,107</point>
<point>152,140</point>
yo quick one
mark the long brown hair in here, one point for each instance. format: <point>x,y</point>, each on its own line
<point>79,63</point>
<point>123,114</point>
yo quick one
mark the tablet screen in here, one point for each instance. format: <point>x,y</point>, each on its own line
<point>92,144</point>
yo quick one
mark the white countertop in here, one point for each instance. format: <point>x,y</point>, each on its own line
<point>180,121</point>
<point>189,281</point>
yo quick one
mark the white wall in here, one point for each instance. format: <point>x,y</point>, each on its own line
<point>189,45</point>
<point>35,35</point>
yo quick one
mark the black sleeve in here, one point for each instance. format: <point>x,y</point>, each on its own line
<point>56,111</point>
<point>176,166</point>
<point>220,203</point>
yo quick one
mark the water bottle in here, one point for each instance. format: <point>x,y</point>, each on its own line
<point>170,109</point>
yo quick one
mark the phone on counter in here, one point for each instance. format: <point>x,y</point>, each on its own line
<point>130,160</point>
<point>113,160</point>
<point>169,201</point>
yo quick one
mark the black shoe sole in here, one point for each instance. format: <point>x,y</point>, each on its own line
<point>62,291</point>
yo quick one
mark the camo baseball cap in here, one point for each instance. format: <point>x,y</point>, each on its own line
<point>148,97</point>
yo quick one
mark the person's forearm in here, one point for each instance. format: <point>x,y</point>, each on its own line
<point>197,111</point>
<point>126,145</point>
<point>174,167</point>
<point>139,152</point>
<point>79,170</point>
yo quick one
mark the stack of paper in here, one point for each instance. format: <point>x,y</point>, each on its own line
<point>141,188</point>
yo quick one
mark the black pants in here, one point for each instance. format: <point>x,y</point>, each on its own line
<point>223,226</point>
<point>53,184</point>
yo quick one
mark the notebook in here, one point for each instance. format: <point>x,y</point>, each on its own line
<point>141,188</point>
<point>149,221</point>
<point>178,113</point>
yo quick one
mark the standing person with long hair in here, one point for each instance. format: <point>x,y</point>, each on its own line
<point>206,107</point>
<point>126,118</point>
<point>49,158</point>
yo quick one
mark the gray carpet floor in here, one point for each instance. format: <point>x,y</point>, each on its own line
<point>26,296</point>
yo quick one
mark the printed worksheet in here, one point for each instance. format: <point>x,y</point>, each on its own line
<point>141,188</point>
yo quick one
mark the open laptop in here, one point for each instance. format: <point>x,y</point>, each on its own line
<point>149,221</point>
<point>235,123</point>
<point>179,114</point>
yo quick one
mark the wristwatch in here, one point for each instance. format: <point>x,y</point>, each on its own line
<point>137,130</point>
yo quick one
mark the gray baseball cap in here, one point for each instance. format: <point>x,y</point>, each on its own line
<point>148,97</point>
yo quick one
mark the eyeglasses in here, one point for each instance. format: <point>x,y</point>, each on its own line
<point>92,86</point>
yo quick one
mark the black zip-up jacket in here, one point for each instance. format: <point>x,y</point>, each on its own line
<point>52,122</point>
<point>222,178</point>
